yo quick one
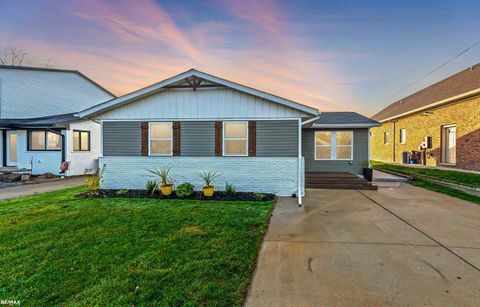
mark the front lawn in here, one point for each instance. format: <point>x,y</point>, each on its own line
<point>60,250</point>
<point>469,179</point>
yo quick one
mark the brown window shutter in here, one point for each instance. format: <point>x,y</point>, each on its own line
<point>252,138</point>
<point>218,138</point>
<point>176,139</point>
<point>144,127</point>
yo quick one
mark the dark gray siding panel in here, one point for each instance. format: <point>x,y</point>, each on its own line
<point>360,153</point>
<point>122,138</point>
<point>197,139</point>
<point>277,138</point>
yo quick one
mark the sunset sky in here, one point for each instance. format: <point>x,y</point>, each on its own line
<point>333,55</point>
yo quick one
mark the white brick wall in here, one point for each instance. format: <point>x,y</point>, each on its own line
<point>252,174</point>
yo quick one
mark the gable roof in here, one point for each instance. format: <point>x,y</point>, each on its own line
<point>27,92</point>
<point>463,83</point>
<point>180,80</point>
<point>342,119</point>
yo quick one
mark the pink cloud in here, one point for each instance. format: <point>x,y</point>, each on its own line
<point>138,43</point>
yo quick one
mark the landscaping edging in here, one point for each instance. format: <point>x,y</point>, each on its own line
<point>238,196</point>
<point>459,187</point>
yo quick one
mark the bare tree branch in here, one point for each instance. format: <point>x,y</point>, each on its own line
<point>14,56</point>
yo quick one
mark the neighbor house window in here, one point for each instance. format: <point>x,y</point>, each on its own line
<point>403,136</point>
<point>161,139</point>
<point>81,140</point>
<point>386,138</point>
<point>333,145</point>
<point>235,138</point>
<point>44,140</point>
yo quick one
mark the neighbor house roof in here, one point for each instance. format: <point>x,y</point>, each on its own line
<point>342,120</point>
<point>40,122</point>
<point>32,92</point>
<point>460,85</point>
<point>179,81</point>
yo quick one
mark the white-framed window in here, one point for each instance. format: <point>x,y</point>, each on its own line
<point>386,138</point>
<point>235,139</point>
<point>333,145</point>
<point>160,139</point>
<point>323,145</point>
<point>403,136</point>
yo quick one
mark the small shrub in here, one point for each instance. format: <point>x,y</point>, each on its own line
<point>230,189</point>
<point>209,178</point>
<point>259,196</point>
<point>92,181</point>
<point>163,174</point>
<point>151,187</point>
<point>121,192</point>
<point>184,190</point>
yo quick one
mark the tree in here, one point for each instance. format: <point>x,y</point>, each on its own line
<point>14,56</point>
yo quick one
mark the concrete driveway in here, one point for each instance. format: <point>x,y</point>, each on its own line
<point>400,245</point>
<point>18,190</point>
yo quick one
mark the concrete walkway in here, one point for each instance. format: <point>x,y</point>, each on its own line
<point>31,189</point>
<point>399,245</point>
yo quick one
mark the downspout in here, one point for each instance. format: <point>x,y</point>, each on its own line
<point>299,162</point>
<point>393,142</point>
<point>368,147</point>
<point>4,147</point>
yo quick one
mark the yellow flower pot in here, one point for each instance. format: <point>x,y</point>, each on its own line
<point>166,189</point>
<point>208,191</point>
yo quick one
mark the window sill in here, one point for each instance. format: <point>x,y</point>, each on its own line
<point>44,150</point>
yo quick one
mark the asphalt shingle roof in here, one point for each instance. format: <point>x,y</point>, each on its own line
<point>465,81</point>
<point>344,118</point>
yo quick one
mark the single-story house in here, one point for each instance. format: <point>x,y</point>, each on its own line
<point>444,118</point>
<point>38,126</point>
<point>195,122</point>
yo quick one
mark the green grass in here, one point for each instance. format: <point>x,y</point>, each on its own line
<point>59,250</point>
<point>469,179</point>
<point>445,190</point>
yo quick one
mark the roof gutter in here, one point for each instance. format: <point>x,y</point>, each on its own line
<point>312,119</point>
<point>435,104</point>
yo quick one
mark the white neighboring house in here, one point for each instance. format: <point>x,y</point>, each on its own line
<point>38,126</point>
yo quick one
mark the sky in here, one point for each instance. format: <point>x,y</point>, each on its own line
<point>333,55</point>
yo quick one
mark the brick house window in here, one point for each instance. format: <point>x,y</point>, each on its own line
<point>386,138</point>
<point>403,136</point>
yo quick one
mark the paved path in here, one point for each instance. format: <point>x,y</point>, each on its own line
<point>31,189</point>
<point>403,246</point>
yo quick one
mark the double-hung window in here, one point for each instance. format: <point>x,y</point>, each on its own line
<point>81,140</point>
<point>333,145</point>
<point>235,141</point>
<point>386,138</point>
<point>160,139</point>
<point>403,136</point>
<point>41,140</point>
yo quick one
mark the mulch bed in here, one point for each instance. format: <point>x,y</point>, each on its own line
<point>245,196</point>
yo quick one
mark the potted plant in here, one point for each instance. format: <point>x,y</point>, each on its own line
<point>208,179</point>
<point>367,171</point>
<point>166,183</point>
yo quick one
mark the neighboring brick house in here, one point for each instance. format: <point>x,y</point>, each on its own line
<point>447,111</point>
